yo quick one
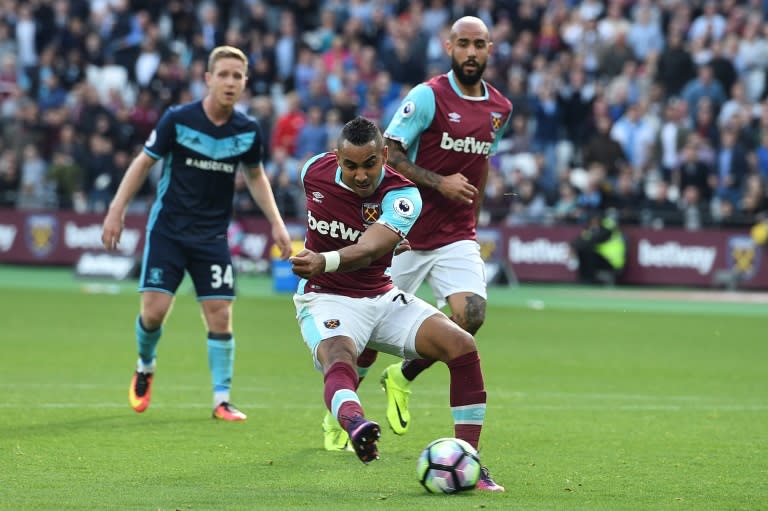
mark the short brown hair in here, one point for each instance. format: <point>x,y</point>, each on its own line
<point>226,52</point>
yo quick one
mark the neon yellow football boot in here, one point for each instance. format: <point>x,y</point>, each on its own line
<point>398,393</point>
<point>336,439</point>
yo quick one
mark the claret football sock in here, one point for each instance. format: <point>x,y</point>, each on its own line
<point>340,398</point>
<point>467,397</point>
<point>412,368</point>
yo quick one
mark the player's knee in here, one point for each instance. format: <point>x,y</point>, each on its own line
<point>152,319</point>
<point>472,325</point>
<point>461,344</point>
<point>336,349</point>
<point>472,318</point>
<point>454,342</point>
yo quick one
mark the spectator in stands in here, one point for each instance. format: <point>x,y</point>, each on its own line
<point>674,67</point>
<point>576,96</point>
<point>705,122</point>
<point>100,175</point>
<point>754,201</point>
<point>603,149</point>
<point>143,116</point>
<point>566,208</point>
<point>721,62</point>
<point>35,192</point>
<point>312,137</point>
<point>625,198</point>
<point>548,119</point>
<point>66,177</point>
<point>9,178</point>
<point>733,106</point>
<point>262,109</point>
<point>709,24</point>
<point>288,125</point>
<point>671,136</point>
<point>645,35</point>
<point>592,194</point>
<point>613,55</point>
<point>636,135</point>
<point>692,172</point>
<point>762,156</point>
<point>288,195</point>
<point>242,200</point>
<point>658,209</point>
<point>703,86</point>
<point>283,163</point>
<point>731,168</point>
<point>529,205</point>
<point>497,199</point>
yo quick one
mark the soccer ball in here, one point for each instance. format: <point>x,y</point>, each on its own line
<point>448,465</point>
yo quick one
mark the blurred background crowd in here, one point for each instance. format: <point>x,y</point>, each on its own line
<point>654,109</point>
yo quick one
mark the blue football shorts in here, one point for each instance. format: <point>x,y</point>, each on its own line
<point>209,263</point>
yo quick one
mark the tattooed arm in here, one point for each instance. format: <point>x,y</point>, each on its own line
<point>453,186</point>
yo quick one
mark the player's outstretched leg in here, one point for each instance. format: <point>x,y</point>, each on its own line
<point>336,439</point>
<point>398,391</point>
<point>140,391</point>
<point>486,482</point>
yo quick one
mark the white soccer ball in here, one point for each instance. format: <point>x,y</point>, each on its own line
<point>448,465</point>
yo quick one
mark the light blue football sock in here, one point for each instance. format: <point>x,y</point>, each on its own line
<point>221,361</point>
<point>146,342</point>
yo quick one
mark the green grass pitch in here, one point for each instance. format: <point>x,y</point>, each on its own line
<point>597,400</point>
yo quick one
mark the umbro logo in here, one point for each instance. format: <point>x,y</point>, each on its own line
<point>317,197</point>
<point>454,117</point>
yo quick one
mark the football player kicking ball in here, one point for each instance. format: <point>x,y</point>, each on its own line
<point>358,211</point>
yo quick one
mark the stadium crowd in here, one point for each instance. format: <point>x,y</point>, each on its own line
<point>656,109</point>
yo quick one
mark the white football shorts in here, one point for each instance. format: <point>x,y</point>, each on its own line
<point>454,268</point>
<point>387,323</point>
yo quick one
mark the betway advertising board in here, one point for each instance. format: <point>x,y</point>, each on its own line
<point>60,238</point>
<point>534,253</point>
<point>657,257</point>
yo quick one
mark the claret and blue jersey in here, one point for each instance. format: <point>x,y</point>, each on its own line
<point>337,217</point>
<point>447,132</point>
<point>194,195</point>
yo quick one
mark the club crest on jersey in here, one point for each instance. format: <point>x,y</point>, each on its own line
<point>371,212</point>
<point>496,119</point>
<point>330,324</point>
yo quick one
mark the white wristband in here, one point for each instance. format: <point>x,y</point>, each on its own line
<point>332,260</point>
